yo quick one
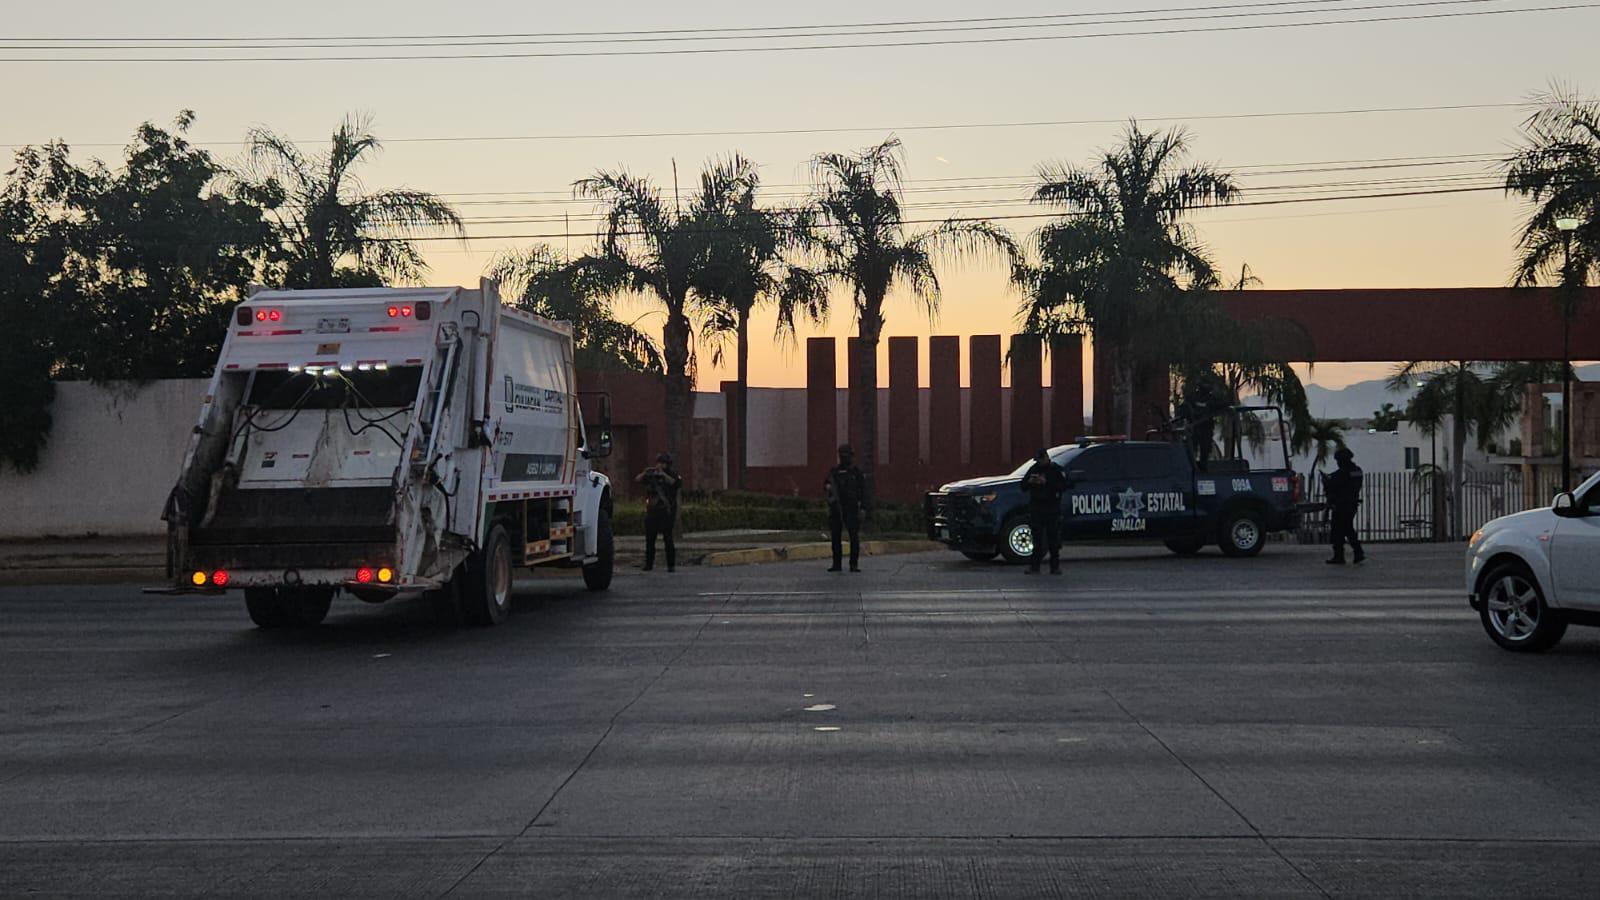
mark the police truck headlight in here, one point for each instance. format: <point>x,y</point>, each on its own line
<point>984,498</point>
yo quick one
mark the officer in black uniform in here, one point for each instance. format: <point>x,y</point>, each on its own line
<point>1045,483</point>
<point>661,485</point>
<point>1343,489</point>
<point>1198,413</point>
<point>847,491</point>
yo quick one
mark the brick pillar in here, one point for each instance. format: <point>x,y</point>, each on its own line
<point>1102,396</point>
<point>944,406</point>
<point>1027,395</point>
<point>822,386</point>
<point>852,349</point>
<point>983,355</point>
<point>1066,389</point>
<point>905,416</point>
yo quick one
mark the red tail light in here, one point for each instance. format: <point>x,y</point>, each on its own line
<point>220,577</point>
<point>394,312</point>
<point>274,315</point>
<point>364,575</point>
<point>405,311</point>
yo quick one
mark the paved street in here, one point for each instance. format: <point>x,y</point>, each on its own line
<point>1144,726</point>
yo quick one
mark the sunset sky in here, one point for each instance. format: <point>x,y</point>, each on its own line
<point>1197,78</point>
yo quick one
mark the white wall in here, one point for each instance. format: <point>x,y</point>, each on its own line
<point>112,458</point>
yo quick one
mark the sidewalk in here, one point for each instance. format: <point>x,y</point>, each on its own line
<point>121,560</point>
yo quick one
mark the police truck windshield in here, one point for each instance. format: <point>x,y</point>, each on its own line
<point>1060,456</point>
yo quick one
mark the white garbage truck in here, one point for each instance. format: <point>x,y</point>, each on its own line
<point>381,441</point>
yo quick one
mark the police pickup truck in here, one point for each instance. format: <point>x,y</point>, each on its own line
<point>1117,490</point>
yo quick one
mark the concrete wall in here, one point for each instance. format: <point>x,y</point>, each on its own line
<point>112,458</point>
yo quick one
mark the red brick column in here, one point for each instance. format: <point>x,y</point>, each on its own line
<point>905,416</point>
<point>983,357</point>
<point>822,391</point>
<point>1066,389</point>
<point>944,406</point>
<point>1027,396</point>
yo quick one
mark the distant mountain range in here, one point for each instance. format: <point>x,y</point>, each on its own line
<point>1362,399</point>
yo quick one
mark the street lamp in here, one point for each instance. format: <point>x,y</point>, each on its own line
<point>1566,225</point>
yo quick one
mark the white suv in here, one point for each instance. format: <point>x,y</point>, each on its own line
<point>1532,574</point>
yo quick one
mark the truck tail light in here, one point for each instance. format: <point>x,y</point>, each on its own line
<point>394,312</point>
<point>220,578</point>
<point>198,579</point>
<point>385,575</point>
<point>364,575</point>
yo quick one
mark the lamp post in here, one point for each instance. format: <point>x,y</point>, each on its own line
<point>1566,225</point>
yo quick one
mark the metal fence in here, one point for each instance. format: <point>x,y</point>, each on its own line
<point>1416,505</point>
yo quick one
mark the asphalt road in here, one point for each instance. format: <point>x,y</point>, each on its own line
<point>1143,726</point>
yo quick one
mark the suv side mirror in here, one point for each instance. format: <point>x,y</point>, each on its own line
<point>1565,505</point>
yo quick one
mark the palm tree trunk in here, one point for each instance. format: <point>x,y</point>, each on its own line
<point>1122,376</point>
<point>679,389</point>
<point>864,399</point>
<point>741,450</point>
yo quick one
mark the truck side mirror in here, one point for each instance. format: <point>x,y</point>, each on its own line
<point>598,434</point>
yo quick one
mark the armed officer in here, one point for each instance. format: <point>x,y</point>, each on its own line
<point>661,485</point>
<point>1343,489</point>
<point>1045,483</point>
<point>847,491</point>
<point>1198,413</point>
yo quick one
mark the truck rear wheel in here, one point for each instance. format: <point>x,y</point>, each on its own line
<point>1241,533</point>
<point>597,575</point>
<point>288,607</point>
<point>486,592</point>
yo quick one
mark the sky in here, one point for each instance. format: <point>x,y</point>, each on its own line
<point>1218,83</point>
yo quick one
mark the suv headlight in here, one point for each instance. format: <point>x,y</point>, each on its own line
<point>984,498</point>
<point>1476,537</point>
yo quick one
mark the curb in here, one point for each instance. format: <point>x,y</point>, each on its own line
<point>799,552</point>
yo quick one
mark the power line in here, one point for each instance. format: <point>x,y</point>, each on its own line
<point>856,31</point>
<point>892,129</point>
<point>715,29</point>
<point>805,47</point>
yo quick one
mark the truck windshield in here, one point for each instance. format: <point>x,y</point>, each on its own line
<point>1059,455</point>
<point>390,389</point>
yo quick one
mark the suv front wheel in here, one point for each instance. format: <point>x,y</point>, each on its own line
<point>1514,612</point>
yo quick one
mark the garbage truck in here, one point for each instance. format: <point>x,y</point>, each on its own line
<point>388,441</point>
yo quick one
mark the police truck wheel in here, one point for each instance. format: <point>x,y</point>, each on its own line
<point>1185,546</point>
<point>980,556</point>
<point>266,610</point>
<point>1016,540</point>
<point>1241,533</point>
<point>1514,612</point>
<point>486,592</point>
<point>597,575</point>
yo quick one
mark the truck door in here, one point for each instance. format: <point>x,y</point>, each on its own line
<point>1157,498</point>
<point>1091,498</point>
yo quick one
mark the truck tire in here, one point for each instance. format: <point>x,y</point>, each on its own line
<point>486,589</point>
<point>264,607</point>
<point>288,607</point>
<point>1241,532</point>
<point>597,575</point>
<point>1186,546</point>
<point>980,555</point>
<point>1016,540</point>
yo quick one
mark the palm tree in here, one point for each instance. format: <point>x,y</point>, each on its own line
<point>1118,260</point>
<point>1557,171</point>
<point>860,238</point>
<point>745,267</point>
<point>653,248</point>
<point>1479,398</point>
<point>1322,438</point>
<point>335,232</point>
<point>542,281</point>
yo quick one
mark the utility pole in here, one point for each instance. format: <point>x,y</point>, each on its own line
<point>1566,225</point>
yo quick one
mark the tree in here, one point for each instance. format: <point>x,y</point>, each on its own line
<point>1321,438</point>
<point>651,248</point>
<point>745,266</point>
<point>1120,258</point>
<point>1478,398</point>
<point>1385,418</point>
<point>542,281</point>
<point>112,274</point>
<point>335,232</point>
<point>1557,171</point>
<point>861,240</point>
